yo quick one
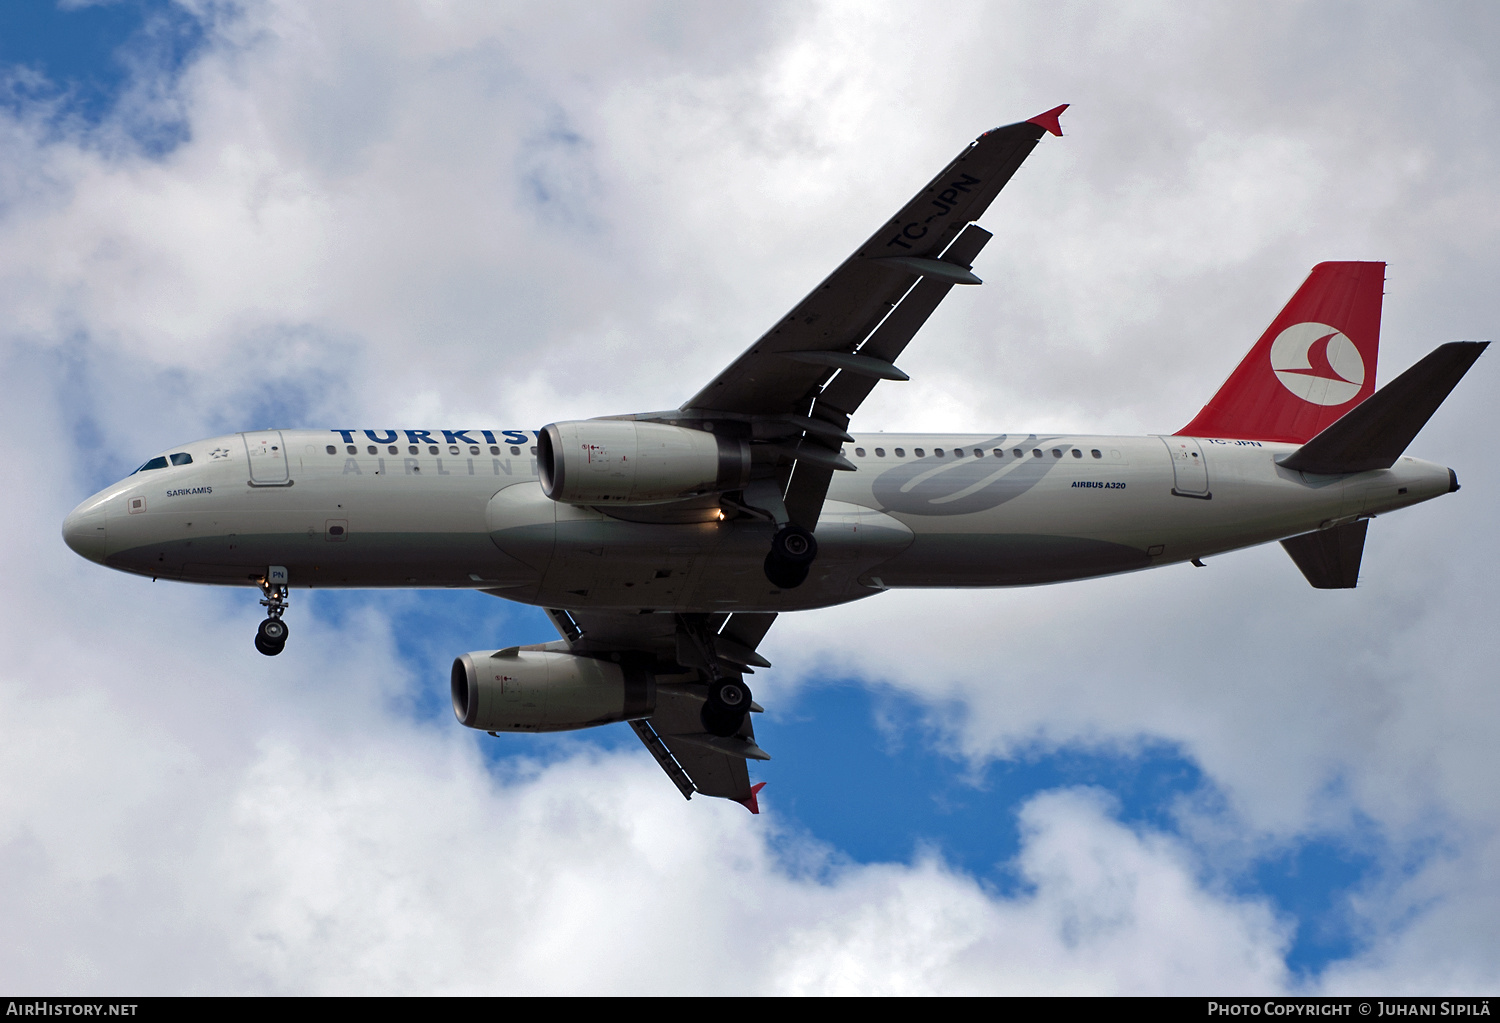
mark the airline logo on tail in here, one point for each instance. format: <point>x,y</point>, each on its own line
<point>1315,362</point>
<point>1318,363</point>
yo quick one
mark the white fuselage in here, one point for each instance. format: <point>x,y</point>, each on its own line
<point>1012,509</point>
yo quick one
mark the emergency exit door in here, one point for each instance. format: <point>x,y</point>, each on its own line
<point>267,454</point>
<point>1189,470</point>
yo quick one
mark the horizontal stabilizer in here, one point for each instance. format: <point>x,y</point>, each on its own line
<point>1373,434</point>
<point>1330,557</point>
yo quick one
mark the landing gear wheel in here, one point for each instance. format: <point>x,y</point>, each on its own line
<point>794,546</point>
<point>725,709</point>
<point>270,638</point>
<point>793,550</point>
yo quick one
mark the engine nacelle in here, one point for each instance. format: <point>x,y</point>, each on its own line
<point>547,691</point>
<point>626,461</point>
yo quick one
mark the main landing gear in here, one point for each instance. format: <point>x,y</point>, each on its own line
<point>727,704</point>
<point>270,638</point>
<point>728,698</point>
<point>793,550</point>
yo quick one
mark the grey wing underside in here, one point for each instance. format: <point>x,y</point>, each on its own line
<point>674,735</point>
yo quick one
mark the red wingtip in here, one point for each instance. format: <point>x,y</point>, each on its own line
<point>750,802</point>
<point>1049,120</point>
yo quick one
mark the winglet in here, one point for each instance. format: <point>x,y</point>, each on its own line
<point>750,802</point>
<point>1049,120</point>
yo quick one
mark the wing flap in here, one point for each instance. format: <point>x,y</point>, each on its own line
<point>713,774</point>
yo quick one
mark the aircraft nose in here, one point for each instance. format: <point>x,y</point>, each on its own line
<point>83,530</point>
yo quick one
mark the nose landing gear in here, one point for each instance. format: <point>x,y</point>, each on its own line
<point>270,638</point>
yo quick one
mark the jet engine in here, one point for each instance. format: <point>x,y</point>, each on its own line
<point>626,461</point>
<point>516,690</point>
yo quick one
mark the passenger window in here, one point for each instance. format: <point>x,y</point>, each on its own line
<point>979,452</point>
<point>182,458</point>
<point>937,452</point>
<point>372,449</point>
<point>999,452</point>
<point>494,449</point>
<point>533,449</point>
<point>918,452</point>
<point>880,452</point>
<point>352,450</point>
<point>515,451</point>
<point>1036,452</point>
<point>452,449</point>
<point>392,449</point>
<point>412,450</point>
<point>474,451</point>
<point>1057,452</point>
<point>1096,453</point>
<point>432,449</point>
<point>900,452</point>
<point>332,450</point>
<point>958,452</point>
<point>1077,453</point>
<point>859,452</point>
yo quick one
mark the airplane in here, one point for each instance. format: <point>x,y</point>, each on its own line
<point>663,545</point>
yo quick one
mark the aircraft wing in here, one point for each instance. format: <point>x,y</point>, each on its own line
<point>674,735</point>
<point>800,382</point>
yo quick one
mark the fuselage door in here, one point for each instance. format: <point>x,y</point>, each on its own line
<point>267,453</point>
<point>1189,470</point>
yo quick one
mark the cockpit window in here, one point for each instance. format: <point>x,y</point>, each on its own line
<point>182,458</point>
<point>159,462</point>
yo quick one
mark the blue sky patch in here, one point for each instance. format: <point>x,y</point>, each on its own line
<point>72,65</point>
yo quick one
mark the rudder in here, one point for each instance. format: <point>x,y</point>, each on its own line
<point>1315,362</point>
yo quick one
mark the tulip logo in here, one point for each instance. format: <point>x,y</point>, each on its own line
<point>1318,363</point>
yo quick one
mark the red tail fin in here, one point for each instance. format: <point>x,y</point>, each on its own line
<point>1315,361</point>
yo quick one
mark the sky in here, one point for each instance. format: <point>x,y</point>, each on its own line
<point>219,215</point>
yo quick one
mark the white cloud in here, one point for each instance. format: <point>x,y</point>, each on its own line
<point>378,857</point>
<point>356,229</point>
<point>1108,911</point>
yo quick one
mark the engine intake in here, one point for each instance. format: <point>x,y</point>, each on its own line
<point>547,691</point>
<point>626,461</point>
